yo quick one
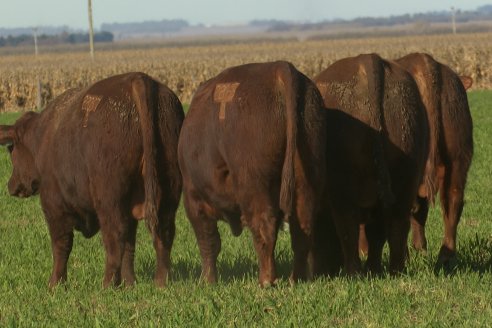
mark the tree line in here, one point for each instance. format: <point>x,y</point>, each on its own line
<point>63,38</point>
<point>483,13</point>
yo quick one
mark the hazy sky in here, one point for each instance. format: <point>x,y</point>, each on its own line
<point>73,13</point>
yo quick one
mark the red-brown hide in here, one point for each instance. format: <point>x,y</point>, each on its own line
<point>251,152</point>
<point>377,142</point>
<point>443,93</point>
<point>101,158</point>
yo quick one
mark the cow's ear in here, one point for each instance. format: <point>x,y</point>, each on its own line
<point>467,81</point>
<point>7,134</point>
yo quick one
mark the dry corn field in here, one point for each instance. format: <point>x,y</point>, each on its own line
<point>184,68</point>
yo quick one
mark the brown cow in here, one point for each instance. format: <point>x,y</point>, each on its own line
<point>101,158</point>
<point>251,151</point>
<point>377,143</point>
<point>443,93</point>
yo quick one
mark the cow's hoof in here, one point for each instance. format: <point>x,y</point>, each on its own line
<point>421,251</point>
<point>420,246</point>
<point>160,283</point>
<point>268,284</point>
<point>129,281</point>
<point>373,270</point>
<point>446,261</point>
<point>55,285</point>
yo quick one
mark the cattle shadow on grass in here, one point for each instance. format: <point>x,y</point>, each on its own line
<point>184,270</point>
<point>229,270</point>
<point>474,255</point>
<point>181,270</point>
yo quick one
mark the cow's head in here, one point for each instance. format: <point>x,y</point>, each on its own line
<point>25,178</point>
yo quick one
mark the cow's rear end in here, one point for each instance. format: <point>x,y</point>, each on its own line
<point>251,153</point>
<point>451,147</point>
<point>103,157</point>
<point>376,149</point>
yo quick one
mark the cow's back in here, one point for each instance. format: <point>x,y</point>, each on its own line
<point>97,134</point>
<point>376,122</point>
<point>404,114</point>
<point>457,121</point>
<point>445,100</point>
<point>239,119</point>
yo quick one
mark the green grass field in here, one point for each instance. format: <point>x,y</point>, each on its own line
<point>420,297</point>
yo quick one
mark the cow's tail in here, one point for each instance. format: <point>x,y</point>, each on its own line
<point>431,99</point>
<point>376,89</point>
<point>144,92</point>
<point>289,83</point>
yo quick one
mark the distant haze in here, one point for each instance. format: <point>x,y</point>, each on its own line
<point>73,13</point>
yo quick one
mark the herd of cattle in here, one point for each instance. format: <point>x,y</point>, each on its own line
<point>350,160</point>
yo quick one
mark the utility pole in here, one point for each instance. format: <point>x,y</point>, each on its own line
<point>35,34</point>
<point>36,52</point>
<point>91,31</point>
<point>453,19</point>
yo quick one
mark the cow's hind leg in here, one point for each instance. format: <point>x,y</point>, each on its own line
<point>363,243</point>
<point>114,228</point>
<point>452,194</point>
<point>163,242</point>
<point>397,216</point>
<point>264,227</point>
<point>376,237</point>
<point>418,220</point>
<point>300,242</point>
<point>127,266</point>
<point>347,224</point>
<point>204,225</point>
<point>398,226</point>
<point>301,230</point>
<point>327,257</point>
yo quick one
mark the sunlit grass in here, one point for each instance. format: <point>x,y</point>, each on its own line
<point>420,297</point>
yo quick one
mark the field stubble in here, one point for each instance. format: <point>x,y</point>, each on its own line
<point>184,68</point>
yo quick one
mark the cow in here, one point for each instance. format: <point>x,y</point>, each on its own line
<point>251,153</point>
<point>443,93</point>
<point>376,148</point>
<point>101,158</point>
